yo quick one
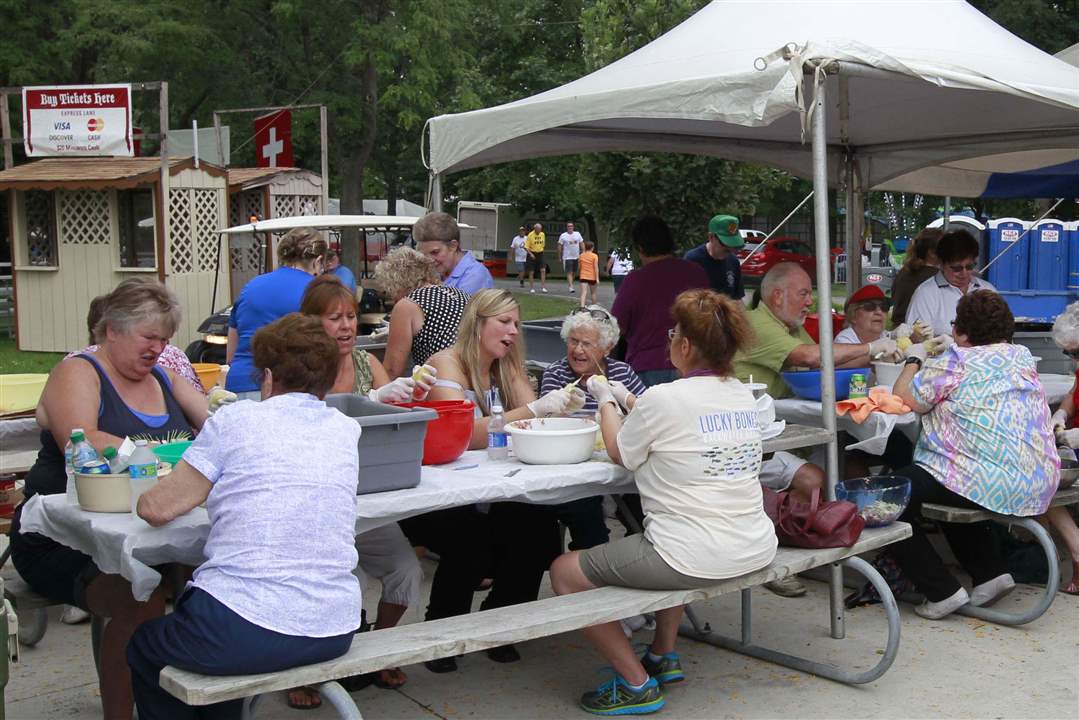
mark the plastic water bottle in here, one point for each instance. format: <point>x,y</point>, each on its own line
<point>497,439</point>
<point>84,459</point>
<point>69,467</point>
<point>143,471</point>
<point>117,462</point>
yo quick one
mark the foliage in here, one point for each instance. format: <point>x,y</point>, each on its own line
<point>14,360</point>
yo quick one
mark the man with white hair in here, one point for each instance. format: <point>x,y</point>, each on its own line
<point>781,341</point>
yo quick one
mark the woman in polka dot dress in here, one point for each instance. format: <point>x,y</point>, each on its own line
<point>425,315</point>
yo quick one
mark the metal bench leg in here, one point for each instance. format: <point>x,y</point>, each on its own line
<point>341,700</point>
<point>813,667</point>
<point>1002,617</point>
<point>32,625</point>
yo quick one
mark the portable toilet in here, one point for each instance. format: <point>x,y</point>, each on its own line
<point>1009,272</point>
<point>1071,234</point>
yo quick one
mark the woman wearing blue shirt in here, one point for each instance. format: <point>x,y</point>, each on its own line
<point>301,256</point>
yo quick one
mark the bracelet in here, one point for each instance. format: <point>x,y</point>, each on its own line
<point>913,361</point>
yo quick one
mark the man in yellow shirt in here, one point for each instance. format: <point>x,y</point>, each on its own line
<point>534,245</point>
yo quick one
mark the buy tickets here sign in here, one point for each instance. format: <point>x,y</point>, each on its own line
<point>72,120</point>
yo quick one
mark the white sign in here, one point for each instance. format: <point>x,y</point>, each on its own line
<point>77,120</point>
<point>1050,236</point>
<point>1009,235</point>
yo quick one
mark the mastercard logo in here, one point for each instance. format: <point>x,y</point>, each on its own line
<point>95,125</point>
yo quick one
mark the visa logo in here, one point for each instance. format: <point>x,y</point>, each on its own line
<point>61,126</point>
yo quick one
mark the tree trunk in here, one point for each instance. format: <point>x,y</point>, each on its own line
<point>353,157</point>
<point>391,192</point>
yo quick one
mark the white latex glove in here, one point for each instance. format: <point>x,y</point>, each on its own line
<point>218,397</point>
<point>424,376</point>
<point>1069,438</point>
<point>917,350</point>
<point>601,390</point>
<point>577,400</point>
<point>921,331</point>
<point>1059,420</point>
<point>395,391</point>
<point>556,402</point>
<point>935,346</point>
<point>883,349</point>
<point>621,393</point>
<point>902,331</point>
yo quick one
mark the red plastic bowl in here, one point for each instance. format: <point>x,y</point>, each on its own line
<point>812,325</point>
<point>448,435</point>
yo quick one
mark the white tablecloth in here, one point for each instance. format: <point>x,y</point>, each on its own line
<point>124,544</point>
<point>872,435</point>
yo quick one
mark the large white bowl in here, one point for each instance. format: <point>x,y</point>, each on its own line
<point>107,492</point>
<point>553,441</point>
<point>887,373</point>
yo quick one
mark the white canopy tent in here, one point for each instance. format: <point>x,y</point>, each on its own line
<point>881,88</point>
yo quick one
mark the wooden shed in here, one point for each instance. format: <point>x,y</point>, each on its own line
<point>80,226</point>
<point>266,192</point>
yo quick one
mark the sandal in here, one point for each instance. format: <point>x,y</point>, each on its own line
<point>390,678</point>
<point>1071,588</point>
<point>304,698</point>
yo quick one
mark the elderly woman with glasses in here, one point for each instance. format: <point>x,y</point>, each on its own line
<point>1065,426</point>
<point>867,313</point>
<point>935,299</point>
<point>590,334</point>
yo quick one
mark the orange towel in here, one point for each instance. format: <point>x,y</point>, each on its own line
<point>879,400</point>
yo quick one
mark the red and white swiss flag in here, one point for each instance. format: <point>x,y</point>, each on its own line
<point>273,140</point>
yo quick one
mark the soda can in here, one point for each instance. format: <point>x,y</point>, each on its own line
<point>858,387</point>
<point>97,467</point>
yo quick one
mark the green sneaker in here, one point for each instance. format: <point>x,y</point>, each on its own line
<point>666,670</point>
<point>615,697</point>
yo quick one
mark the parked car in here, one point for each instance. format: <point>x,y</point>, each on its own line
<point>779,250</point>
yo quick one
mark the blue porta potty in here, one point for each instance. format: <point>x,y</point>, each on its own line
<point>1071,231</point>
<point>1009,272</point>
<point>1048,256</point>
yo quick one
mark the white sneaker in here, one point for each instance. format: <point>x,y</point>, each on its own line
<point>571,291</point>
<point>73,615</point>
<point>943,608</point>
<point>544,289</point>
<point>992,590</point>
<point>533,291</point>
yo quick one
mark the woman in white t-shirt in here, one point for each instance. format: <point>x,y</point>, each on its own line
<point>619,264</point>
<point>278,477</point>
<point>695,449</point>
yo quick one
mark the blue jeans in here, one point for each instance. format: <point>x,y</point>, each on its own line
<point>203,635</point>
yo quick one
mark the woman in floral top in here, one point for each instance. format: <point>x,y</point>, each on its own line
<point>985,443</point>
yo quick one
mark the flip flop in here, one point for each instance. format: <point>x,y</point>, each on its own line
<point>1071,588</point>
<point>397,673</point>
<point>311,694</point>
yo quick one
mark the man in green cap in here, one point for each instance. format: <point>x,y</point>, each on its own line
<point>717,256</point>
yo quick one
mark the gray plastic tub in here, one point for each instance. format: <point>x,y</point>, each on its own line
<point>391,444</point>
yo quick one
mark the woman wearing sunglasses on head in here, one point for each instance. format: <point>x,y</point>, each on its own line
<point>935,299</point>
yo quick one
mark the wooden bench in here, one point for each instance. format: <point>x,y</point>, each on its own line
<point>408,644</point>
<point>950,514</point>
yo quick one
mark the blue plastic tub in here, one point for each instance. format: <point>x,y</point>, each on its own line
<point>806,383</point>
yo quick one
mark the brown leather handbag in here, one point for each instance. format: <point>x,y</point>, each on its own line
<point>817,524</point>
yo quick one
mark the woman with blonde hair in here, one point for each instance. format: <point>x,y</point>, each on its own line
<point>515,542</point>
<point>301,256</point>
<point>425,314</point>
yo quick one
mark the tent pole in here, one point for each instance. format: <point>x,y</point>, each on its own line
<point>824,312</point>
<point>436,192</point>
<point>852,200</point>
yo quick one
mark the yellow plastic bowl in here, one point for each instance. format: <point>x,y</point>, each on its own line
<point>208,374</point>
<point>19,393</point>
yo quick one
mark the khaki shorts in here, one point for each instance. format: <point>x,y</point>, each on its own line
<point>633,562</point>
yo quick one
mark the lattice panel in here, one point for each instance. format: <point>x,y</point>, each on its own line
<point>181,250</point>
<point>308,204</point>
<point>40,230</point>
<point>284,205</point>
<point>84,217</point>
<point>206,240</point>
<point>247,259</point>
<point>234,209</point>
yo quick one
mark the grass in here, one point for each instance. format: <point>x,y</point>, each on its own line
<point>536,307</point>
<point>13,360</point>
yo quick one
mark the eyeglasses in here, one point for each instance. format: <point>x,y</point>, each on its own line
<point>969,267</point>
<point>596,313</point>
<point>583,344</point>
<point>1073,354</point>
<point>671,333</point>
<point>874,305</point>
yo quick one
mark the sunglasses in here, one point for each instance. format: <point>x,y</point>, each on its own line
<point>1073,354</point>
<point>596,313</point>
<point>969,267</point>
<point>874,305</point>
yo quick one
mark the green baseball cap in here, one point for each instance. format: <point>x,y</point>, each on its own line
<point>725,227</point>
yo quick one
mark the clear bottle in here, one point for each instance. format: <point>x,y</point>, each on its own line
<point>143,470</point>
<point>84,459</point>
<point>497,438</point>
<point>69,467</point>
<point>117,462</point>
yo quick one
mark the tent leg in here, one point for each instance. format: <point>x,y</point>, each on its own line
<point>824,306</point>
<point>436,192</point>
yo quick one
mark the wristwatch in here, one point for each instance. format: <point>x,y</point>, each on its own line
<point>913,360</point>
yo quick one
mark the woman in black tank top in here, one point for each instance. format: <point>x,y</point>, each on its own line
<point>118,391</point>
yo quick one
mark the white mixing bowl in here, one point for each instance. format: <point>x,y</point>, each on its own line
<point>887,373</point>
<point>553,441</point>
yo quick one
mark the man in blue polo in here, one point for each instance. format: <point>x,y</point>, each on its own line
<point>717,256</point>
<point>438,237</point>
